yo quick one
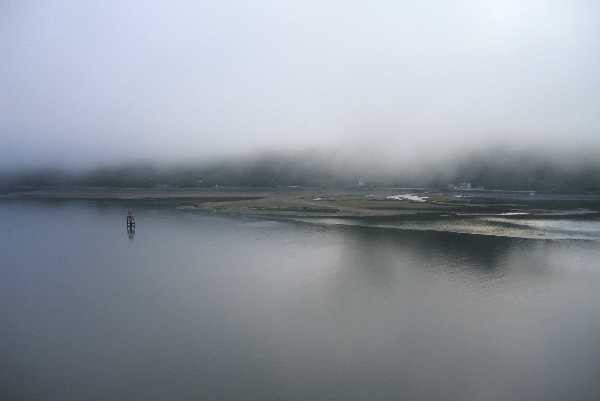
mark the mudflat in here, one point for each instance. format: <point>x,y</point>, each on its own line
<point>342,203</point>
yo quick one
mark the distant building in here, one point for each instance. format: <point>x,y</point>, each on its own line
<point>466,186</point>
<point>463,186</point>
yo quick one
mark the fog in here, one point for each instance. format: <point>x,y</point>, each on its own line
<point>373,83</point>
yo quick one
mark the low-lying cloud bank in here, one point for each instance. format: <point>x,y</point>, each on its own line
<point>302,92</point>
<point>492,169</point>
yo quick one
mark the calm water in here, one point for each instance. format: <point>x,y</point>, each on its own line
<point>201,307</point>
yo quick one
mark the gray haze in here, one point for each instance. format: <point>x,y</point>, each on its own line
<point>86,83</point>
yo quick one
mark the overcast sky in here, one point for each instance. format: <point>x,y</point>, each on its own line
<point>85,82</point>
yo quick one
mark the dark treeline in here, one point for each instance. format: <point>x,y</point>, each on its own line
<point>512,171</point>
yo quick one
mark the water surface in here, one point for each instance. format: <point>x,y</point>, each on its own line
<point>196,306</point>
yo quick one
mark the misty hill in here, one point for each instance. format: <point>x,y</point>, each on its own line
<point>499,170</point>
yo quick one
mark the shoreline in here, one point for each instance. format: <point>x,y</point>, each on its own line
<point>375,203</point>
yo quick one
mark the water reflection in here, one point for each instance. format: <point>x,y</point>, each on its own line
<point>202,307</point>
<point>388,249</point>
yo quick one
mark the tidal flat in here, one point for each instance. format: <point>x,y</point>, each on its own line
<point>319,202</point>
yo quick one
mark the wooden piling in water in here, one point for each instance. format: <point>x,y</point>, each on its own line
<point>130,222</point>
